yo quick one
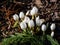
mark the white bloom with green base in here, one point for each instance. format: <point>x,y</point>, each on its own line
<point>53,26</point>
<point>34,11</point>
<point>31,23</point>
<point>15,17</point>
<point>37,21</point>
<point>23,25</point>
<point>26,19</point>
<point>21,15</point>
<point>43,27</point>
<point>52,34</point>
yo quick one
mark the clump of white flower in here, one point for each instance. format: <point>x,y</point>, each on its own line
<point>21,15</point>
<point>37,21</point>
<point>53,26</point>
<point>15,17</point>
<point>23,25</point>
<point>43,28</point>
<point>31,23</point>
<point>34,11</point>
<point>26,19</point>
<point>52,34</point>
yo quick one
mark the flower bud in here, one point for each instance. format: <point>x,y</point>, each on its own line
<point>21,15</point>
<point>23,25</point>
<point>31,23</point>
<point>37,21</point>
<point>34,11</point>
<point>26,19</point>
<point>43,27</point>
<point>42,21</point>
<point>15,17</point>
<point>27,13</point>
<point>52,34</point>
<point>53,26</point>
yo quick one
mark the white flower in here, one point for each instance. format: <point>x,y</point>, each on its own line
<point>37,21</point>
<point>31,32</point>
<point>26,19</point>
<point>23,25</point>
<point>21,15</point>
<point>31,23</point>
<point>15,17</point>
<point>42,21</point>
<point>53,26</point>
<point>34,11</point>
<point>37,18</point>
<point>43,27</point>
<point>35,8</point>
<point>52,34</point>
<point>27,13</point>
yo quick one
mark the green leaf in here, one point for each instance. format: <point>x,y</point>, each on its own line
<point>16,24</point>
<point>53,42</point>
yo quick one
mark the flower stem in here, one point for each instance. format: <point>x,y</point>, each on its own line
<point>43,36</point>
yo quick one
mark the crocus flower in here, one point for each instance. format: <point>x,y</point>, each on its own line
<point>35,8</point>
<point>42,21</point>
<point>21,15</point>
<point>43,27</point>
<point>27,13</point>
<point>26,19</point>
<point>52,34</point>
<point>15,17</point>
<point>34,11</point>
<point>23,25</point>
<point>31,23</point>
<point>53,26</point>
<point>37,21</point>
